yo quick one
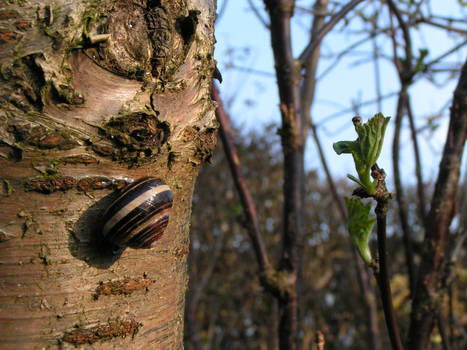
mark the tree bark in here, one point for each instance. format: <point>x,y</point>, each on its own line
<point>431,283</point>
<point>95,94</point>
<point>293,140</point>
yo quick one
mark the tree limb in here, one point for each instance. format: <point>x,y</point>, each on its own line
<point>418,163</point>
<point>293,143</point>
<point>428,294</point>
<point>313,44</point>
<point>258,14</point>
<point>407,71</point>
<point>248,205</point>
<point>401,204</point>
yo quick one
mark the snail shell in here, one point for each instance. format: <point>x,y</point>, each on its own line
<point>139,215</point>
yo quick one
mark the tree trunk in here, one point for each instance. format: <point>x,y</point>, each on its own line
<point>95,94</point>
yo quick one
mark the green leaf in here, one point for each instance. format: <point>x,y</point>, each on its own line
<point>343,147</point>
<point>365,149</point>
<point>360,224</point>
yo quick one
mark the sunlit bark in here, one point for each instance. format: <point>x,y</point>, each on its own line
<point>95,93</point>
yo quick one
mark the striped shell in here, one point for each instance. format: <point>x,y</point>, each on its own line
<point>140,214</point>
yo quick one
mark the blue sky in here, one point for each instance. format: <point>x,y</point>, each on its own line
<point>245,42</point>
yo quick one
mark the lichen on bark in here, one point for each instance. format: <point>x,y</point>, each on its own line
<point>91,100</point>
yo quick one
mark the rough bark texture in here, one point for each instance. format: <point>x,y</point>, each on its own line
<point>95,93</point>
<point>431,284</point>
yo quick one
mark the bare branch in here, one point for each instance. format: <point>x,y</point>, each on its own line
<point>440,25</point>
<point>349,50</point>
<point>401,204</point>
<point>293,144</point>
<point>344,111</point>
<point>407,72</point>
<point>258,14</point>
<point>396,60</point>
<point>307,88</point>
<point>446,54</point>
<point>250,70</point>
<point>240,183</point>
<point>418,163</point>
<point>221,12</point>
<point>313,44</point>
<point>443,208</point>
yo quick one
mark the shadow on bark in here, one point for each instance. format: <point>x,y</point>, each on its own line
<point>86,241</point>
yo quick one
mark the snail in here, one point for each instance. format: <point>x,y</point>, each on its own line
<point>139,215</point>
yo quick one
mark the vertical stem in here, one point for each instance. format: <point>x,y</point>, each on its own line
<point>382,276</point>
<point>418,163</point>
<point>430,291</point>
<point>288,323</point>
<point>401,204</point>
<point>246,199</point>
<point>293,141</point>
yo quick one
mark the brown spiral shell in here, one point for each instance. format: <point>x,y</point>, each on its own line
<point>139,215</point>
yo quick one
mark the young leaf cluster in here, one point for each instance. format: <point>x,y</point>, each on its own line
<point>365,149</point>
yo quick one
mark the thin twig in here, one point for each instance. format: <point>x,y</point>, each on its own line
<point>396,59</point>
<point>250,70</point>
<point>348,50</point>
<point>440,25</point>
<point>418,162</point>
<point>313,44</point>
<point>382,273</point>
<point>307,94</point>
<point>401,204</point>
<point>310,66</point>
<point>240,183</point>
<point>406,73</point>
<point>445,54</point>
<point>385,287</point>
<point>258,14</point>
<point>221,12</point>
<point>342,112</point>
<point>407,65</point>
